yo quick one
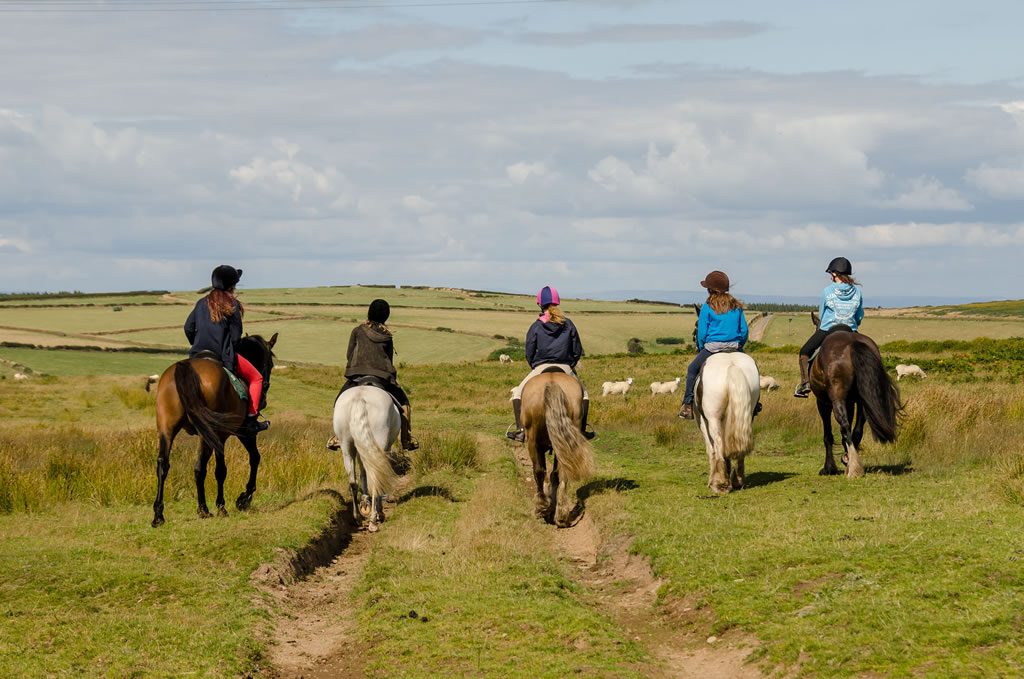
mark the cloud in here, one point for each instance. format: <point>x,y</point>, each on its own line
<point>928,193</point>
<point>519,173</point>
<point>1002,182</point>
<point>646,33</point>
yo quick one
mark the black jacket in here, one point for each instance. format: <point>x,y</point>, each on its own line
<point>220,338</point>
<point>553,343</point>
<point>371,351</point>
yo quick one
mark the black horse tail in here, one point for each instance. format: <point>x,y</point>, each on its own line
<point>876,393</point>
<point>207,423</point>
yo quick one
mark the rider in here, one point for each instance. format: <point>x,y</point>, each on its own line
<point>721,326</point>
<point>371,352</point>
<point>551,342</point>
<point>841,308</point>
<point>215,325</point>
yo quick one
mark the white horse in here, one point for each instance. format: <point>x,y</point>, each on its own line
<point>726,393</point>
<point>367,424</point>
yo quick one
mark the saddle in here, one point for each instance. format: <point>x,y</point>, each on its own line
<point>373,381</point>
<point>239,385</point>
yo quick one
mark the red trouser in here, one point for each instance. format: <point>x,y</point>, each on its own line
<point>251,375</point>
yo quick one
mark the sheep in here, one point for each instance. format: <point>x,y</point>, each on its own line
<point>769,383</point>
<point>151,380</point>
<point>905,370</point>
<point>505,358</point>
<point>669,387</point>
<point>20,376</point>
<point>616,387</point>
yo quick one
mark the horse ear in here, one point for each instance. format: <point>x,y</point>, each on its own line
<point>696,309</point>
<point>273,341</point>
<point>815,319</point>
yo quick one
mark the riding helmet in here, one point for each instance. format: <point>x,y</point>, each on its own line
<point>840,265</point>
<point>225,277</point>
<point>716,281</point>
<point>547,295</point>
<point>379,311</point>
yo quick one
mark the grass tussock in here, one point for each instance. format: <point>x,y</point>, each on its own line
<point>452,451</point>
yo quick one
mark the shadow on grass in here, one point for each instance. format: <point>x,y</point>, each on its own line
<point>756,479</point>
<point>428,491</point>
<point>618,485</point>
<point>890,469</point>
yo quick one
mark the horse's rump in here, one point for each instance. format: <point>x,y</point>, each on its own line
<point>551,413</point>
<point>730,388</point>
<point>366,422</point>
<point>195,396</point>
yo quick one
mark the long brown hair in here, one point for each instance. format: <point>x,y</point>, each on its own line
<point>849,280</point>
<point>555,315</point>
<point>222,304</point>
<point>722,302</point>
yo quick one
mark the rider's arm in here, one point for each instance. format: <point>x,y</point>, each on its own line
<point>703,323</point>
<point>744,330</point>
<point>351,345</point>
<point>190,326</point>
<point>858,316</point>
<point>575,346</point>
<point>531,344</point>
<point>235,325</point>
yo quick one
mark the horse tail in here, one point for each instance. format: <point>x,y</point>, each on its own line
<point>738,429</point>
<point>876,393</point>
<point>380,477</point>
<point>208,423</point>
<point>574,455</point>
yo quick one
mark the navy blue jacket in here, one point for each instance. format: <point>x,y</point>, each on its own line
<point>553,343</point>
<point>220,338</point>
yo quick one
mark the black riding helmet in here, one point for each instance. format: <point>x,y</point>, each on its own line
<point>379,311</point>
<point>840,265</point>
<point>225,277</point>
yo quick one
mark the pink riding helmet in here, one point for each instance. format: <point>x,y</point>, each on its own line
<point>547,295</point>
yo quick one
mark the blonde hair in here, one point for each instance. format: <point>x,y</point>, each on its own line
<point>555,315</point>
<point>721,302</point>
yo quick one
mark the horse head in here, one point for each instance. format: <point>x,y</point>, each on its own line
<point>696,322</point>
<point>259,352</point>
<point>815,319</point>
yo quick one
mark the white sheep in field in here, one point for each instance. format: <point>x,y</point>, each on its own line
<point>769,383</point>
<point>151,380</point>
<point>905,370</point>
<point>505,358</point>
<point>669,387</point>
<point>20,376</point>
<point>616,387</point>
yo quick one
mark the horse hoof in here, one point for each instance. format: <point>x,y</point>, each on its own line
<point>158,521</point>
<point>372,527</point>
<point>204,513</point>
<point>221,511</point>
<point>365,506</point>
<point>243,502</point>
<point>825,471</point>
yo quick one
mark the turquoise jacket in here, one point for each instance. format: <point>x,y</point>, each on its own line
<point>841,304</point>
<point>728,327</point>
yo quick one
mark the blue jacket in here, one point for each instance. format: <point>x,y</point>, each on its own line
<point>220,338</point>
<point>728,327</point>
<point>841,304</point>
<point>553,343</point>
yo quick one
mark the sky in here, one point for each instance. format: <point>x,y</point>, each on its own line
<point>588,144</point>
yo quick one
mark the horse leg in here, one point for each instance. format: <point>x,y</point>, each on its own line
<point>220,472</point>
<point>244,500</point>
<point>200,472</point>
<point>539,463</point>
<point>854,469</point>
<point>718,478</point>
<point>555,492</point>
<point>738,476</point>
<point>163,466</point>
<point>377,514</point>
<point>825,411</point>
<point>860,418</point>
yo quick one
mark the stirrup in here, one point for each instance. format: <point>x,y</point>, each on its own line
<point>758,408</point>
<point>517,435</point>
<point>686,411</point>
<point>589,434</point>
<point>802,391</point>
<point>333,443</point>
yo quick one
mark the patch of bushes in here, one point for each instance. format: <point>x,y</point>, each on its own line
<point>635,346</point>
<point>441,328</point>
<point>516,351</point>
<point>669,340</point>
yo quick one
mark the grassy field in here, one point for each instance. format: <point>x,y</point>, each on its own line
<point>911,571</point>
<point>794,329</point>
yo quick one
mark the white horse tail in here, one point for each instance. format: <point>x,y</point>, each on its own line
<point>380,477</point>
<point>574,455</point>
<point>738,431</point>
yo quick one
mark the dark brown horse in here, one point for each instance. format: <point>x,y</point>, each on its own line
<point>850,383</point>
<point>196,395</point>
<point>552,404</point>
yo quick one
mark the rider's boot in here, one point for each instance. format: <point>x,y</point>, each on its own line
<point>686,411</point>
<point>408,442</point>
<point>583,421</point>
<point>517,435</point>
<point>804,389</point>
<point>251,425</point>
<point>333,443</point>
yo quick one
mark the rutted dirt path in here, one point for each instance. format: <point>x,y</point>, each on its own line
<point>759,326</point>
<point>674,633</point>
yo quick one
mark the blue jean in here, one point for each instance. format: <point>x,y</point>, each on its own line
<point>691,374</point>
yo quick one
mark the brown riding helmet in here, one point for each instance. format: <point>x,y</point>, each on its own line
<point>716,281</point>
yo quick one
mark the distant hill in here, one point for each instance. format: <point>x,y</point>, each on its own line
<point>887,301</point>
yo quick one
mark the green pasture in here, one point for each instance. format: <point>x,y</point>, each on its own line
<point>103,320</point>
<point>83,300</point>
<point>999,308</point>
<point>794,329</point>
<point>87,362</point>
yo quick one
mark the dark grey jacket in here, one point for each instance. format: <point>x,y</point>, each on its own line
<point>371,351</point>
<point>220,338</point>
<point>553,343</point>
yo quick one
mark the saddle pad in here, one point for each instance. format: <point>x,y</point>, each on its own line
<point>238,384</point>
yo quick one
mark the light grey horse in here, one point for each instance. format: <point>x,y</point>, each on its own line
<point>726,395</point>
<point>367,424</point>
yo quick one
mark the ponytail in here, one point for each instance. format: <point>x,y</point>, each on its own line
<point>722,302</point>
<point>221,304</point>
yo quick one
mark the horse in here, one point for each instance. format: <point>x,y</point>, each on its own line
<point>849,382</point>
<point>196,395</point>
<point>725,396</point>
<point>551,408</point>
<point>367,424</point>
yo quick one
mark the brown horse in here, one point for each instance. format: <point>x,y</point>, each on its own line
<point>551,408</point>
<point>850,382</point>
<point>196,395</point>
